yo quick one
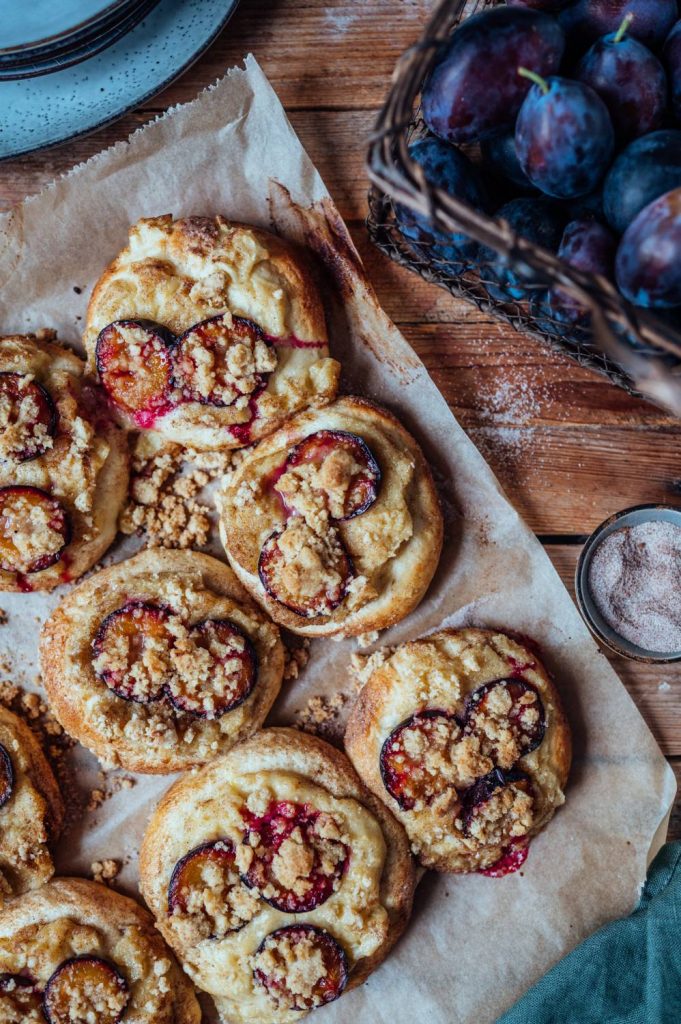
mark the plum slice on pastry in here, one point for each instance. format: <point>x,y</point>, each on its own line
<point>306,571</point>
<point>21,1000</point>
<point>135,366</point>
<point>216,672</point>
<point>86,988</point>
<point>301,967</point>
<point>498,808</point>
<point>131,651</point>
<point>28,418</point>
<point>508,718</point>
<point>205,888</point>
<point>416,757</point>
<point>34,529</point>
<point>294,856</point>
<point>333,464</point>
<point>222,359</point>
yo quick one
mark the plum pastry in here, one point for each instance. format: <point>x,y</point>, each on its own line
<point>31,810</point>
<point>463,735</point>
<point>333,523</point>
<point>161,662</point>
<point>208,332</point>
<point>75,952</point>
<point>276,877</point>
<point>63,466</point>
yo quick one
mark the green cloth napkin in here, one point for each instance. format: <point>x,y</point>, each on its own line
<point>629,972</point>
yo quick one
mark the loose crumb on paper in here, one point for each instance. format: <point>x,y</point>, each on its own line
<point>297,653</point>
<point>321,715</point>
<point>164,495</point>
<point>105,871</point>
<point>108,785</point>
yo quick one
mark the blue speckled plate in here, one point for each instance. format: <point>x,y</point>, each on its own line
<point>44,111</point>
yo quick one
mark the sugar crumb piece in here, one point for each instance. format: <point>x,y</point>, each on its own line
<point>97,798</point>
<point>321,715</point>
<point>362,666</point>
<point>297,658</point>
<point>105,871</point>
<point>4,617</point>
<point>367,639</point>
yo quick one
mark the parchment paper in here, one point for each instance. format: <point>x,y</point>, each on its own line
<point>474,944</point>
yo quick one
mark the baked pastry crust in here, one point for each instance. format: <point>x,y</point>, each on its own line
<point>439,672</point>
<point>394,544</point>
<point>154,737</point>
<point>70,917</point>
<point>85,467</point>
<point>366,919</point>
<point>32,817</point>
<point>178,273</point>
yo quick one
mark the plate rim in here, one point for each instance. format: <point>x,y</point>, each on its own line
<point>48,41</point>
<point>139,101</point>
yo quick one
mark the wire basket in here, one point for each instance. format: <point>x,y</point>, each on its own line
<point>634,348</point>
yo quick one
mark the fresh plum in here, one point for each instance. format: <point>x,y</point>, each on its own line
<point>227,678</point>
<point>564,136</point>
<point>589,246</point>
<point>127,640</point>
<point>6,776</point>
<point>304,829</point>
<point>403,771</point>
<point>672,61</point>
<point>293,585</point>
<point>135,366</point>
<point>510,709</point>
<point>94,985</point>
<point>629,79</point>
<point>21,1000</point>
<point>28,418</point>
<point>446,168</point>
<point>34,529</point>
<point>205,884</point>
<point>500,157</point>
<point>538,220</point>
<point>540,5</point>
<point>335,453</point>
<point>304,941</point>
<point>220,359</point>
<point>648,168</point>
<point>588,20</point>
<point>474,90</point>
<point>648,265</point>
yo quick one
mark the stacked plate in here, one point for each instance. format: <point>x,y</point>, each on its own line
<point>41,36</point>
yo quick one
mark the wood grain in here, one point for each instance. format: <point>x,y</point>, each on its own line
<point>568,446</point>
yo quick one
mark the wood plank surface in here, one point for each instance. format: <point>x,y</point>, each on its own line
<point>568,446</point>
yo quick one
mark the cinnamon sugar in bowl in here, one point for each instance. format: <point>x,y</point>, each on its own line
<point>628,583</point>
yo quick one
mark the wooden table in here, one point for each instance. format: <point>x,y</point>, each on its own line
<point>569,447</point>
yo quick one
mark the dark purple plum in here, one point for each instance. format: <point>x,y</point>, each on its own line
<point>403,775</point>
<point>540,5</point>
<point>328,858</point>
<point>101,990</point>
<point>672,62</point>
<point>448,169</point>
<point>564,137</point>
<point>629,79</point>
<point>20,505</point>
<point>364,483</point>
<point>648,168</point>
<point>648,266</point>
<point>276,571</point>
<point>525,719</point>
<point>588,20</point>
<point>232,678</point>
<point>6,776</point>
<point>539,220</point>
<point>305,941</point>
<point>589,246</point>
<point>588,207</point>
<point>499,156</point>
<point>28,418</point>
<point>474,90</point>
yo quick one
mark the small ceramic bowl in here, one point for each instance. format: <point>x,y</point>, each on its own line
<point>590,613</point>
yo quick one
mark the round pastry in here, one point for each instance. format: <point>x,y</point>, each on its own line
<point>76,952</point>
<point>463,735</point>
<point>333,523</point>
<point>63,466</point>
<point>161,662</point>
<point>210,333</point>
<point>276,877</point>
<point>31,809</point>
